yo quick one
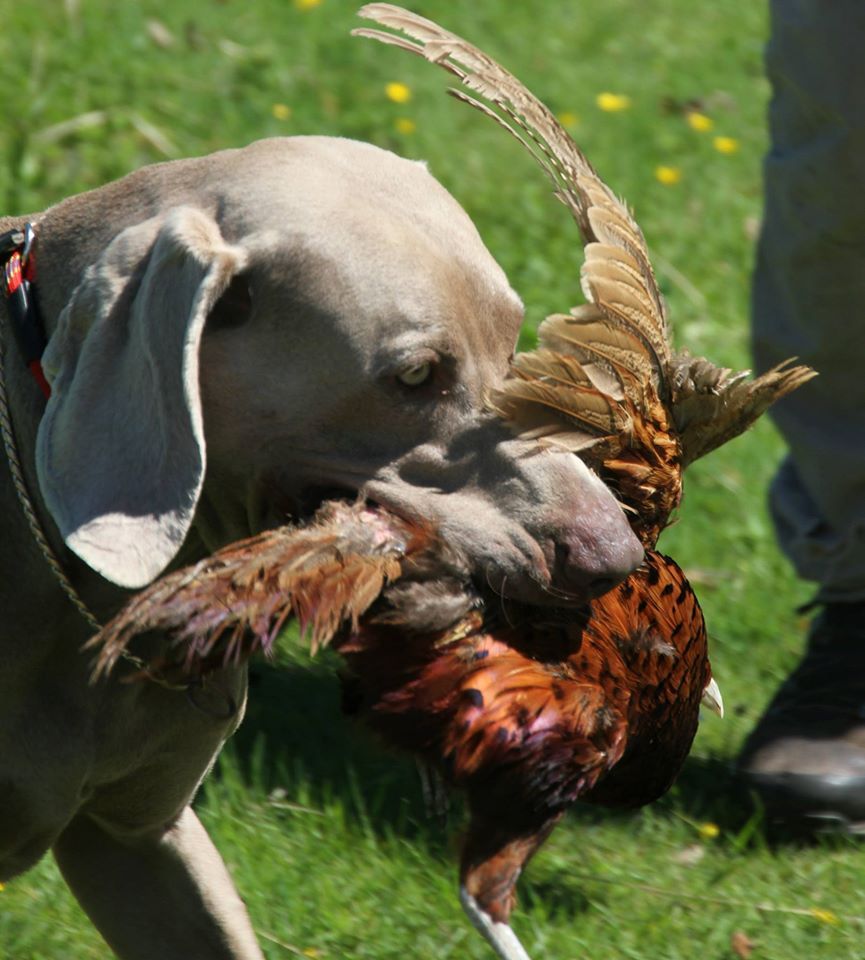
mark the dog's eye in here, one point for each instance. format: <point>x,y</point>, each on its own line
<point>416,375</point>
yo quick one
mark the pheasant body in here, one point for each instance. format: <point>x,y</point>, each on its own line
<point>566,693</point>
<point>529,711</point>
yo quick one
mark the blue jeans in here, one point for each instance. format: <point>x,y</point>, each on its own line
<point>809,285</point>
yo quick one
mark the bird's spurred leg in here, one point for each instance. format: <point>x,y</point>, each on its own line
<point>493,858</point>
<point>499,935</point>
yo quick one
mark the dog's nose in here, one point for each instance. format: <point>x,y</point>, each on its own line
<point>591,561</point>
<point>594,547</point>
<point>584,557</point>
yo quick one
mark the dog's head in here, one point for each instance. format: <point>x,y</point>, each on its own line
<point>307,317</point>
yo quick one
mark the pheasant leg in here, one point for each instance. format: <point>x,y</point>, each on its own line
<point>499,935</point>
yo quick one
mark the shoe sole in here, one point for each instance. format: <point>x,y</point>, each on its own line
<point>810,805</point>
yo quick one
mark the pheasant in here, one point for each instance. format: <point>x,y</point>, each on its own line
<point>526,710</point>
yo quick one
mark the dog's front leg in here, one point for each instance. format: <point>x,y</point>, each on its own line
<point>167,895</point>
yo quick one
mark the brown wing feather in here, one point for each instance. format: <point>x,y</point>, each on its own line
<point>325,575</point>
<point>585,334</point>
<point>713,405</point>
<point>556,391</point>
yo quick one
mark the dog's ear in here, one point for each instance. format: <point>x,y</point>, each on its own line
<point>120,450</point>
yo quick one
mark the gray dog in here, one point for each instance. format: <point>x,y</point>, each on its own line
<point>231,339</point>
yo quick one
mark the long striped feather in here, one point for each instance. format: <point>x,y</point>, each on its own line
<point>601,217</point>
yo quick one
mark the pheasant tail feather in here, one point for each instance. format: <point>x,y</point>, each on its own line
<point>232,604</point>
<point>618,277</point>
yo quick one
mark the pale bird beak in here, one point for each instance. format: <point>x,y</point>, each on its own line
<point>712,698</point>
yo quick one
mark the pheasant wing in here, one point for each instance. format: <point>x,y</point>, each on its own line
<point>606,384</point>
<point>711,405</point>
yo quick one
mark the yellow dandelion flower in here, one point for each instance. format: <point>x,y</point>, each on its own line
<point>306,4</point>
<point>668,175</point>
<point>699,121</point>
<point>725,144</point>
<point>282,111</point>
<point>709,831</point>
<point>397,92</point>
<point>405,125</point>
<point>612,102</point>
<point>568,119</point>
<point>311,952</point>
<point>2,887</point>
<point>824,916</point>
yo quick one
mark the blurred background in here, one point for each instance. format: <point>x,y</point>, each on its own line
<point>327,836</point>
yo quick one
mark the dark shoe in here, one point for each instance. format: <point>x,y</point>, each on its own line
<point>806,757</point>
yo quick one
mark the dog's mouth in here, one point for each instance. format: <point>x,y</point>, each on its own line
<point>300,506</point>
<point>511,597</point>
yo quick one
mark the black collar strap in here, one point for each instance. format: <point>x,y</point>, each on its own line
<point>16,251</point>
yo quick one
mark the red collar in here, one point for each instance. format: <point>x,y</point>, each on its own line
<point>19,272</point>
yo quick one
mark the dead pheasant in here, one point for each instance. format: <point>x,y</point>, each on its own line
<point>527,711</point>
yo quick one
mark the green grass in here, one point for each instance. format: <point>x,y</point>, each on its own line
<point>325,834</point>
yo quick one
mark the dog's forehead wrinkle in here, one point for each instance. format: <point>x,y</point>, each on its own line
<point>357,222</point>
<point>342,185</point>
<point>329,273</point>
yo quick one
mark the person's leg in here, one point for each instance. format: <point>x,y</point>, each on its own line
<point>807,754</point>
